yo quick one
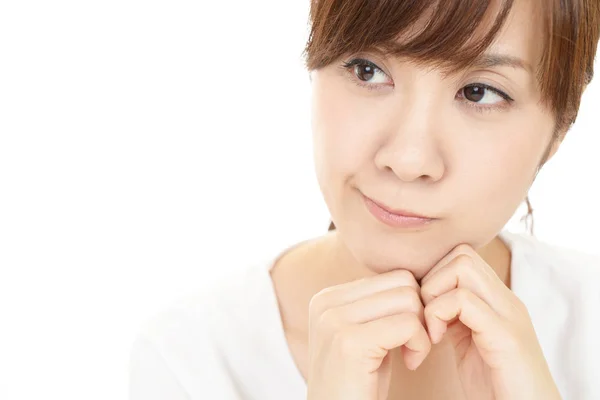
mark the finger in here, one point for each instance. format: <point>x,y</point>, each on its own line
<point>461,249</point>
<point>394,301</point>
<point>463,304</point>
<point>385,334</point>
<point>458,250</point>
<point>352,291</point>
<point>465,272</point>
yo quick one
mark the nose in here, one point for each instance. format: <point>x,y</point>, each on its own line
<point>412,151</point>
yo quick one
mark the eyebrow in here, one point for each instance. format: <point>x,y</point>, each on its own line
<point>489,60</point>
<point>486,60</point>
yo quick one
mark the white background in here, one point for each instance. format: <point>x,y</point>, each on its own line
<point>146,148</point>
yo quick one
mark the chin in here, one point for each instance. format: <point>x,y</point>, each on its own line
<point>383,251</point>
<point>380,259</point>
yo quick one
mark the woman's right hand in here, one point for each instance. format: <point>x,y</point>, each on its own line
<point>352,328</point>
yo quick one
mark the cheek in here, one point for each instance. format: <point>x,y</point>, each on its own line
<point>345,132</point>
<point>496,175</point>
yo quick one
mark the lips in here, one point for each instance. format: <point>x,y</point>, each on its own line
<point>398,212</point>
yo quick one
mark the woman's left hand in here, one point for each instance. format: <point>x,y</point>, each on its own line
<point>497,351</point>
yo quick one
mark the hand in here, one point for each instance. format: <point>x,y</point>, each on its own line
<point>497,352</point>
<point>352,328</point>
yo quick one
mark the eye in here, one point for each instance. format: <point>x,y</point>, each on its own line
<point>484,97</point>
<point>366,74</point>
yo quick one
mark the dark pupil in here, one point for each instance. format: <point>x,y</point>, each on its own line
<point>474,93</point>
<point>364,72</point>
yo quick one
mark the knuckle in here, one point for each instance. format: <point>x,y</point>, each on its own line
<point>414,301</point>
<point>313,307</point>
<point>408,299</point>
<point>320,302</point>
<point>409,321</point>
<point>329,321</point>
<point>428,312</point>
<point>350,345</point>
<point>463,261</point>
<point>405,276</point>
<point>426,290</point>
<point>427,293</point>
<point>463,295</point>
<point>464,248</point>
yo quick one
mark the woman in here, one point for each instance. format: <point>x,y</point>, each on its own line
<point>431,120</point>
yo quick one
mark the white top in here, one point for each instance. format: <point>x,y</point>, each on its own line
<point>228,343</point>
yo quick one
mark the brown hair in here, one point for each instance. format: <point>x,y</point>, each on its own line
<point>572,30</point>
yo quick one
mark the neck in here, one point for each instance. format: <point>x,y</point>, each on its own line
<point>342,267</point>
<point>323,262</point>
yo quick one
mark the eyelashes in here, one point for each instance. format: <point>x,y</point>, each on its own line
<point>360,62</point>
<point>350,67</point>
<point>480,91</point>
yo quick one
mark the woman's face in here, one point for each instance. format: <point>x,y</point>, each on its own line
<point>414,140</point>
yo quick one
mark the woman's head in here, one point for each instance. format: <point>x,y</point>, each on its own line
<point>442,108</point>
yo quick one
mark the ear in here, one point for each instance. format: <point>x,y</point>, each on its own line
<point>554,145</point>
<point>554,148</point>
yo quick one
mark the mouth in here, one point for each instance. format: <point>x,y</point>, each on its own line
<point>395,217</point>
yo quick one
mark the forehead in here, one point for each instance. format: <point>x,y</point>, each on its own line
<point>521,37</point>
<point>522,34</point>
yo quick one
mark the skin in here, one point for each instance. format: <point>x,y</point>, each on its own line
<point>375,312</point>
<point>411,144</point>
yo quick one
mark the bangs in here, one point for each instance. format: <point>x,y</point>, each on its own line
<point>453,35</point>
<point>445,34</point>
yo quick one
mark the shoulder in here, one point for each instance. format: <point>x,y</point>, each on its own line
<point>227,302</point>
<point>200,335</point>
<point>563,265</point>
<point>561,288</point>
